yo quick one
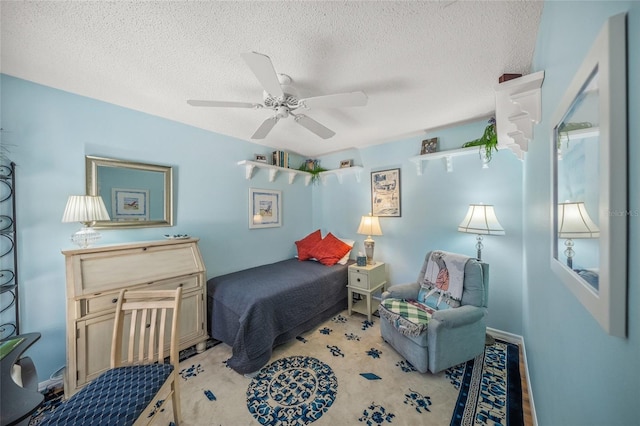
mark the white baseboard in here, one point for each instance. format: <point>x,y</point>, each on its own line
<point>518,340</point>
<point>55,380</point>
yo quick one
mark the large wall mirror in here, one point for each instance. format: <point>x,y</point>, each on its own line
<point>137,195</point>
<point>589,194</point>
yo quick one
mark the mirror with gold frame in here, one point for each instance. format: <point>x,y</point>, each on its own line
<point>589,181</point>
<point>137,195</point>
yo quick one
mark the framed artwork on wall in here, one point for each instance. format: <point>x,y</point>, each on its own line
<point>265,208</point>
<point>130,204</point>
<point>385,193</point>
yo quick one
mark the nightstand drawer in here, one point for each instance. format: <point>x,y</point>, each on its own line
<point>359,280</point>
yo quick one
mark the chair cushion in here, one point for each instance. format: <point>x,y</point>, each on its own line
<point>117,397</point>
<point>474,291</point>
<point>410,318</point>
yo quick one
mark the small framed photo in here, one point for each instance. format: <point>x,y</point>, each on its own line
<point>265,208</point>
<point>129,204</point>
<point>261,158</point>
<point>346,163</point>
<point>429,146</point>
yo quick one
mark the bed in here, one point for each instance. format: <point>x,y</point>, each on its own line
<point>256,309</point>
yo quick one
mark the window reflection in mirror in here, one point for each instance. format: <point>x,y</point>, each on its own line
<point>136,195</point>
<point>577,216</point>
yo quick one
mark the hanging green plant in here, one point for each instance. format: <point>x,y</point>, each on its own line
<point>488,141</point>
<point>312,167</point>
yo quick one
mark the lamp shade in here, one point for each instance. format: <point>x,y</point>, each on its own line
<point>574,221</point>
<point>85,209</point>
<point>481,219</point>
<point>369,225</point>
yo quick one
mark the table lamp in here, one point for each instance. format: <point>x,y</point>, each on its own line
<point>481,220</point>
<point>369,225</point>
<point>574,222</point>
<point>86,209</point>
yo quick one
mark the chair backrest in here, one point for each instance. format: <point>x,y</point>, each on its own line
<point>476,281</point>
<point>142,330</point>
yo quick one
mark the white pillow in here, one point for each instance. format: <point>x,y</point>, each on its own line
<point>345,258</point>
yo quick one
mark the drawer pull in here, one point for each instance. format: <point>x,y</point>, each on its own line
<point>114,300</point>
<point>148,326</point>
<point>358,279</point>
<point>144,249</point>
<point>181,284</point>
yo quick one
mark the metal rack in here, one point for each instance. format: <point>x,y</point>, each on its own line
<point>9,324</point>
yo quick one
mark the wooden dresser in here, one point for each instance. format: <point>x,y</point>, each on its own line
<point>96,275</point>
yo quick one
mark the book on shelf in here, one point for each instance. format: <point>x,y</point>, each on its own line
<point>280,159</point>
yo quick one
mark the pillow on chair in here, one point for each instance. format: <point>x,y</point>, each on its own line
<point>432,300</point>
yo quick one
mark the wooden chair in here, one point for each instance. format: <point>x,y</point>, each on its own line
<point>127,394</point>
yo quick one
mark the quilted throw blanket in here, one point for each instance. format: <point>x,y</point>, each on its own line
<point>407,316</point>
<point>445,277</point>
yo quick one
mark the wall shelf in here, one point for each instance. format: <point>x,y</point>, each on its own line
<point>340,173</point>
<point>250,166</point>
<point>518,108</point>
<point>447,156</point>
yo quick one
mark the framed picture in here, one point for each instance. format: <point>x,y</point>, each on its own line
<point>385,193</point>
<point>261,158</point>
<point>346,163</point>
<point>129,204</point>
<point>429,146</point>
<point>265,208</point>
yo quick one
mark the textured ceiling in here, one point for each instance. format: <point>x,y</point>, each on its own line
<point>422,64</point>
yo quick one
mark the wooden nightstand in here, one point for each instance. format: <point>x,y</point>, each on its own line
<point>365,280</point>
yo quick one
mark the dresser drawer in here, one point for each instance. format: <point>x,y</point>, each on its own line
<point>96,304</point>
<point>359,280</point>
<point>187,283</point>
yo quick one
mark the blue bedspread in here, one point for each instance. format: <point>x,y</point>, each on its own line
<point>259,308</point>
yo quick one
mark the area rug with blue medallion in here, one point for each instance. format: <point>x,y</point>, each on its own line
<point>343,373</point>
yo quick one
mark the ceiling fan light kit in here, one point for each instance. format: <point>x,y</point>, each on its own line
<point>281,97</point>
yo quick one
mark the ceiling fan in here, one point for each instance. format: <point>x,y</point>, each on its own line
<point>283,99</point>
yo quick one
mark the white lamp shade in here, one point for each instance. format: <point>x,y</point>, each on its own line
<point>369,225</point>
<point>481,219</point>
<point>574,221</point>
<point>85,209</point>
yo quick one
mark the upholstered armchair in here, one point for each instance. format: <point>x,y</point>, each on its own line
<point>446,334</point>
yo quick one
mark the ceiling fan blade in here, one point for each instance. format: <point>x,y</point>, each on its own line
<point>265,128</point>
<point>313,126</point>
<point>262,67</point>
<point>335,101</point>
<point>224,104</point>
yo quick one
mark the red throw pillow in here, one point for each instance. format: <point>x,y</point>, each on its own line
<point>330,250</point>
<point>307,243</point>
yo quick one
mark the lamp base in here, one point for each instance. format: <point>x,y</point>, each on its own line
<point>369,244</point>
<point>86,237</point>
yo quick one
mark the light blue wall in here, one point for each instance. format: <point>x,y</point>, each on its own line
<point>579,374</point>
<point>49,132</point>
<point>432,207</point>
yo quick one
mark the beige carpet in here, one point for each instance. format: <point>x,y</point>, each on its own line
<point>350,346</point>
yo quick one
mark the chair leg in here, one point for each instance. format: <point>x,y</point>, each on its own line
<point>175,397</point>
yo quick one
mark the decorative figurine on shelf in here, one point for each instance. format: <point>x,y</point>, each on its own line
<point>488,141</point>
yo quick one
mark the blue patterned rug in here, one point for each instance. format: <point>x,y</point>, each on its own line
<point>490,388</point>
<point>292,390</point>
<point>342,372</point>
